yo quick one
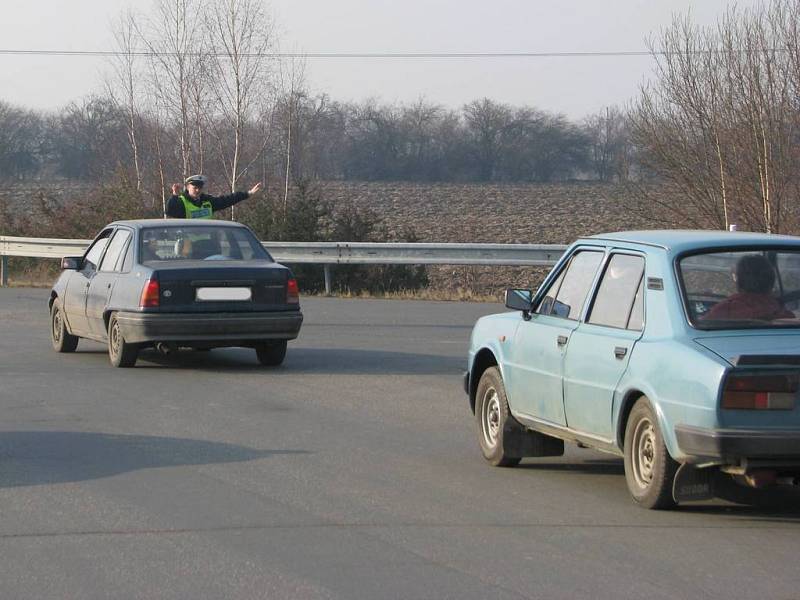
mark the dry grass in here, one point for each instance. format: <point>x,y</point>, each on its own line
<point>41,278</point>
<point>33,273</point>
<point>43,274</point>
<point>457,295</point>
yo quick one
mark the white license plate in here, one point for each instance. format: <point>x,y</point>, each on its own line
<point>223,293</point>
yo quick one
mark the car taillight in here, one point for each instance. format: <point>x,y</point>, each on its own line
<point>150,294</point>
<point>292,292</point>
<point>760,392</point>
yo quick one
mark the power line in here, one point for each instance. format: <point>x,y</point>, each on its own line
<point>389,55</point>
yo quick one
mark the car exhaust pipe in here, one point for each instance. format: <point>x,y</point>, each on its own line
<point>165,348</point>
<point>760,478</point>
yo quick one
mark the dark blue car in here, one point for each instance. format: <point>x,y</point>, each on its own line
<point>175,284</point>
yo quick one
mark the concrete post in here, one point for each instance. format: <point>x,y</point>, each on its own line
<point>3,271</point>
<point>327,270</point>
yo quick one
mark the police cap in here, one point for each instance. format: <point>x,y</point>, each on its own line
<point>198,180</point>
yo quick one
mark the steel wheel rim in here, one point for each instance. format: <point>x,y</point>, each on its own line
<point>56,326</point>
<point>490,417</point>
<point>114,338</point>
<point>644,452</point>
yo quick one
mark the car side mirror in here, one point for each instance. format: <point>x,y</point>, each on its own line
<point>519,299</point>
<point>71,263</point>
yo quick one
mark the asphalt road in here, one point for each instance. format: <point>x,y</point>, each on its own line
<point>350,472</point>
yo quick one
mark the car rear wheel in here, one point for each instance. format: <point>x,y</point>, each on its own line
<point>63,340</point>
<point>649,469</point>
<point>491,413</point>
<point>271,354</point>
<point>121,353</point>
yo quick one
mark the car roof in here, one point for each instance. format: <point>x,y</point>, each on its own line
<point>142,223</point>
<point>680,240</point>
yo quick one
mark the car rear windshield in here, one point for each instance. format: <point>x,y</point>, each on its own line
<point>200,243</point>
<point>742,289</point>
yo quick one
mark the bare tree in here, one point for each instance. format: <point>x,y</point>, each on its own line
<point>21,136</point>
<point>123,87</point>
<point>241,37</point>
<point>719,121</point>
<point>176,44</point>
<point>487,121</point>
<point>292,79</point>
<point>162,178</point>
<point>610,151</point>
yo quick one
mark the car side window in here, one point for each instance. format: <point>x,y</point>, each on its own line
<point>115,248</point>
<point>96,251</point>
<point>577,280</point>
<point>617,291</point>
<point>636,320</point>
<point>546,305</point>
<point>126,262</point>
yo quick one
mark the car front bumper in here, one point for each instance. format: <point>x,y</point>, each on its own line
<point>228,328</point>
<point>735,444</point>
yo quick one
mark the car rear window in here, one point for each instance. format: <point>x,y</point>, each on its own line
<point>200,243</point>
<point>742,289</point>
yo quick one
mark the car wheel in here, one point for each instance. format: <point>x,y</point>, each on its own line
<point>649,469</point>
<point>491,413</point>
<point>63,340</point>
<point>271,354</point>
<point>121,353</point>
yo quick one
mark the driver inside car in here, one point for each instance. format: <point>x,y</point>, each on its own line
<point>754,277</point>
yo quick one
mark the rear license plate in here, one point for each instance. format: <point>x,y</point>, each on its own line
<point>205,294</point>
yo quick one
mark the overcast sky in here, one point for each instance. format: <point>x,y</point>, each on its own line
<point>571,85</point>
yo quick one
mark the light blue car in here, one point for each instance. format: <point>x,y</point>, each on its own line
<point>678,350</point>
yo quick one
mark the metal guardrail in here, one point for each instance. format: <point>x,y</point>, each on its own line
<point>414,254</point>
<point>330,253</point>
<point>41,247</point>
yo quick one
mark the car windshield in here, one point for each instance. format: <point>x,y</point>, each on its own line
<point>199,243</point>
<point>742,289</point>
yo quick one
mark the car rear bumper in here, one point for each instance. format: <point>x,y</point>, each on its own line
<point>214,327</point>
<point>735,444</point>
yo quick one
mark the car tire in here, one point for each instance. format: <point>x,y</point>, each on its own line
<point>271,354</point>
<point>63,340</point>
<point>121,353</point>
<point>649,469</point>
<point>491,414</point>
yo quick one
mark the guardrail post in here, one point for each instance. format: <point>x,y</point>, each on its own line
<point>327,271</point>
<point>3,271</point>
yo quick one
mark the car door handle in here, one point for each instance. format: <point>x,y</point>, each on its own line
<point>620,352</point>
<point>561,340</point>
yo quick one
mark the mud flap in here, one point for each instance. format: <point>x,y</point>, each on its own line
<point>693,484</point>
<point>519,442</point>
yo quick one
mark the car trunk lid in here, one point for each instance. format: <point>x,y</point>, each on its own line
<point>223,286</point>
<point>758,354</point>
<point>774,348</point>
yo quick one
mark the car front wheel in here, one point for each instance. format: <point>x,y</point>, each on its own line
<point>649,469</point>
<point>121,353</point>
<point>491,413</point>
<point>63,340</point>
